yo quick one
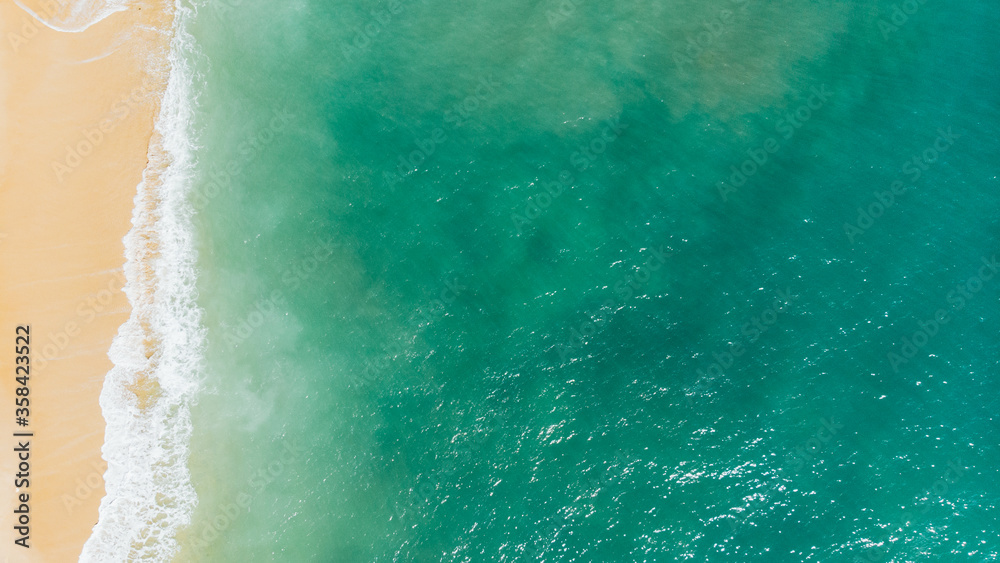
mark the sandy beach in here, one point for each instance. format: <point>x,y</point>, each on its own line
<point>77,109</point>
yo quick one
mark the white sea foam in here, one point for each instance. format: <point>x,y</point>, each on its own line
<point>74,16</point>
<point>158,351</point>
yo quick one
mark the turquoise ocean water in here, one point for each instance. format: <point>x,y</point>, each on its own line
<point>571,281</point>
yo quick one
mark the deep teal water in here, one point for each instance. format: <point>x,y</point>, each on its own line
<point>474,292</point>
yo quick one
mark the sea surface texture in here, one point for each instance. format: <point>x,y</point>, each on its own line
<point>579,281</point>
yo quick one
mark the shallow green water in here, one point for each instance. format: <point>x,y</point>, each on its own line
<point>551,334</point>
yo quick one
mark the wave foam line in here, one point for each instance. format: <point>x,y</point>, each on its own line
<point>157,353</point>
<point>76,17</point>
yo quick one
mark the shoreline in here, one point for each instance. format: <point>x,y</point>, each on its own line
<point>77,110</point>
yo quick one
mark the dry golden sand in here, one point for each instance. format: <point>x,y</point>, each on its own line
<point>62,220</point>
